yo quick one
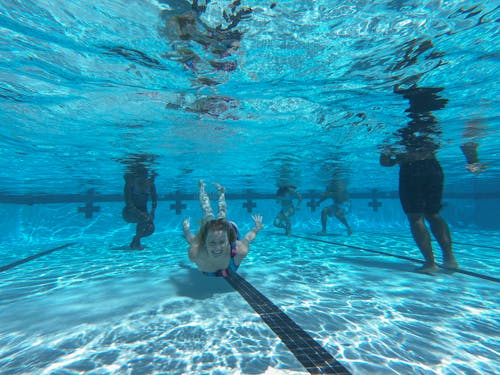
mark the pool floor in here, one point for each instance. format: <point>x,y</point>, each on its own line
<point>95,308</point>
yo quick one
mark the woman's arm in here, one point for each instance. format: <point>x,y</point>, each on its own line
<point>193,252</point>
<point>249,237</point>
<point>186,229</point>
<point>190,238</point>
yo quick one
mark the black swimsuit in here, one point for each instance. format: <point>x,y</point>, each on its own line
<point>421,186</point>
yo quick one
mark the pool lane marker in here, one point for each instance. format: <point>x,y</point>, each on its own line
<point>454,242</point>
<point>38,255</point>
<point>465,272</point>
<point>314,358</point>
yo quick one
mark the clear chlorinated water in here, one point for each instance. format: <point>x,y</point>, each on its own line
<point>94,307</point>
<point>253,95</point>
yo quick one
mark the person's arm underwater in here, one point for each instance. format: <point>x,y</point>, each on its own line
<point>249,237</point>
<point>186,229</point>
<point>127,192</point>
<point>154,200</point>
<point>190,238</point>
<point>469,150</point>
<point>324,197</point>
<point>388,158</point>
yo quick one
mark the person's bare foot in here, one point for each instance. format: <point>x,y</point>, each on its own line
<point>221,189</point>
<point>450,264</point>
<point>428,269</point>
<point>136,245</point>
<point>321,233</point>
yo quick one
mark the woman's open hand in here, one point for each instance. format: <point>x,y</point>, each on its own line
<point>258,221</point>
<point>186,225</point>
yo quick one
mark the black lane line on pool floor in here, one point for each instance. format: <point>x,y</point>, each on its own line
<point>454,242</point>
<point>38,255</point>
<point>465,272</point>
<point>308,352</point>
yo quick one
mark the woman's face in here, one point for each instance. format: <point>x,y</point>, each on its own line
<point>217,243</point>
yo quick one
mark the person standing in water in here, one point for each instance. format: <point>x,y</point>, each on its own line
<point>139,189</point>
<point>285,197</point>
<point>421,177</point>
<point>341,205</point>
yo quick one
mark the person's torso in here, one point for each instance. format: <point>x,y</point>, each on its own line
<point>140,195</point>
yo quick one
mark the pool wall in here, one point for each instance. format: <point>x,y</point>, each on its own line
<point>42,222</point>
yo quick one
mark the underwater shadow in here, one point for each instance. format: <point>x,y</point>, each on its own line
<point>378,263</point>
<point>194,284</point>
<point>124,247</point>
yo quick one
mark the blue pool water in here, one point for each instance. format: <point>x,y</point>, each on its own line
<point>255,95</point>
<point>96,307</point>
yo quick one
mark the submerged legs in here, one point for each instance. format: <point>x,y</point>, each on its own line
<point>206,209</point>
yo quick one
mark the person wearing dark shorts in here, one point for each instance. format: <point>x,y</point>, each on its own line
<point>421,186</point>
<point>420,192</point>
<point>420,175</point>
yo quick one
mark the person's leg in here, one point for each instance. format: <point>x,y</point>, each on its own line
<point>324,218</point>
<point>143,229</point>
<point>339,214</point>
<point>423,241</point>
<point>412,194</point>
<point>279,220</point>
<point>133,215</point>
<point>206,209</point>
<point>136,243</point>
<point>439,227</point>
<point>222,201</point>
<point>288,226</point>
<point>288,212</point>
<point>441,232</point>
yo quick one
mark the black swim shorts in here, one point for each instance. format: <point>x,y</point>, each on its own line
<point>421,186</point>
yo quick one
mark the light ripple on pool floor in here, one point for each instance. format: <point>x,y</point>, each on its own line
<point>96,308</point>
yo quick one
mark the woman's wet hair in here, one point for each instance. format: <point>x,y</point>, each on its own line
<point>218,225</point>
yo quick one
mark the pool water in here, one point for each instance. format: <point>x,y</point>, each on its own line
<point>255,95</point>
<point>95,307</point>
